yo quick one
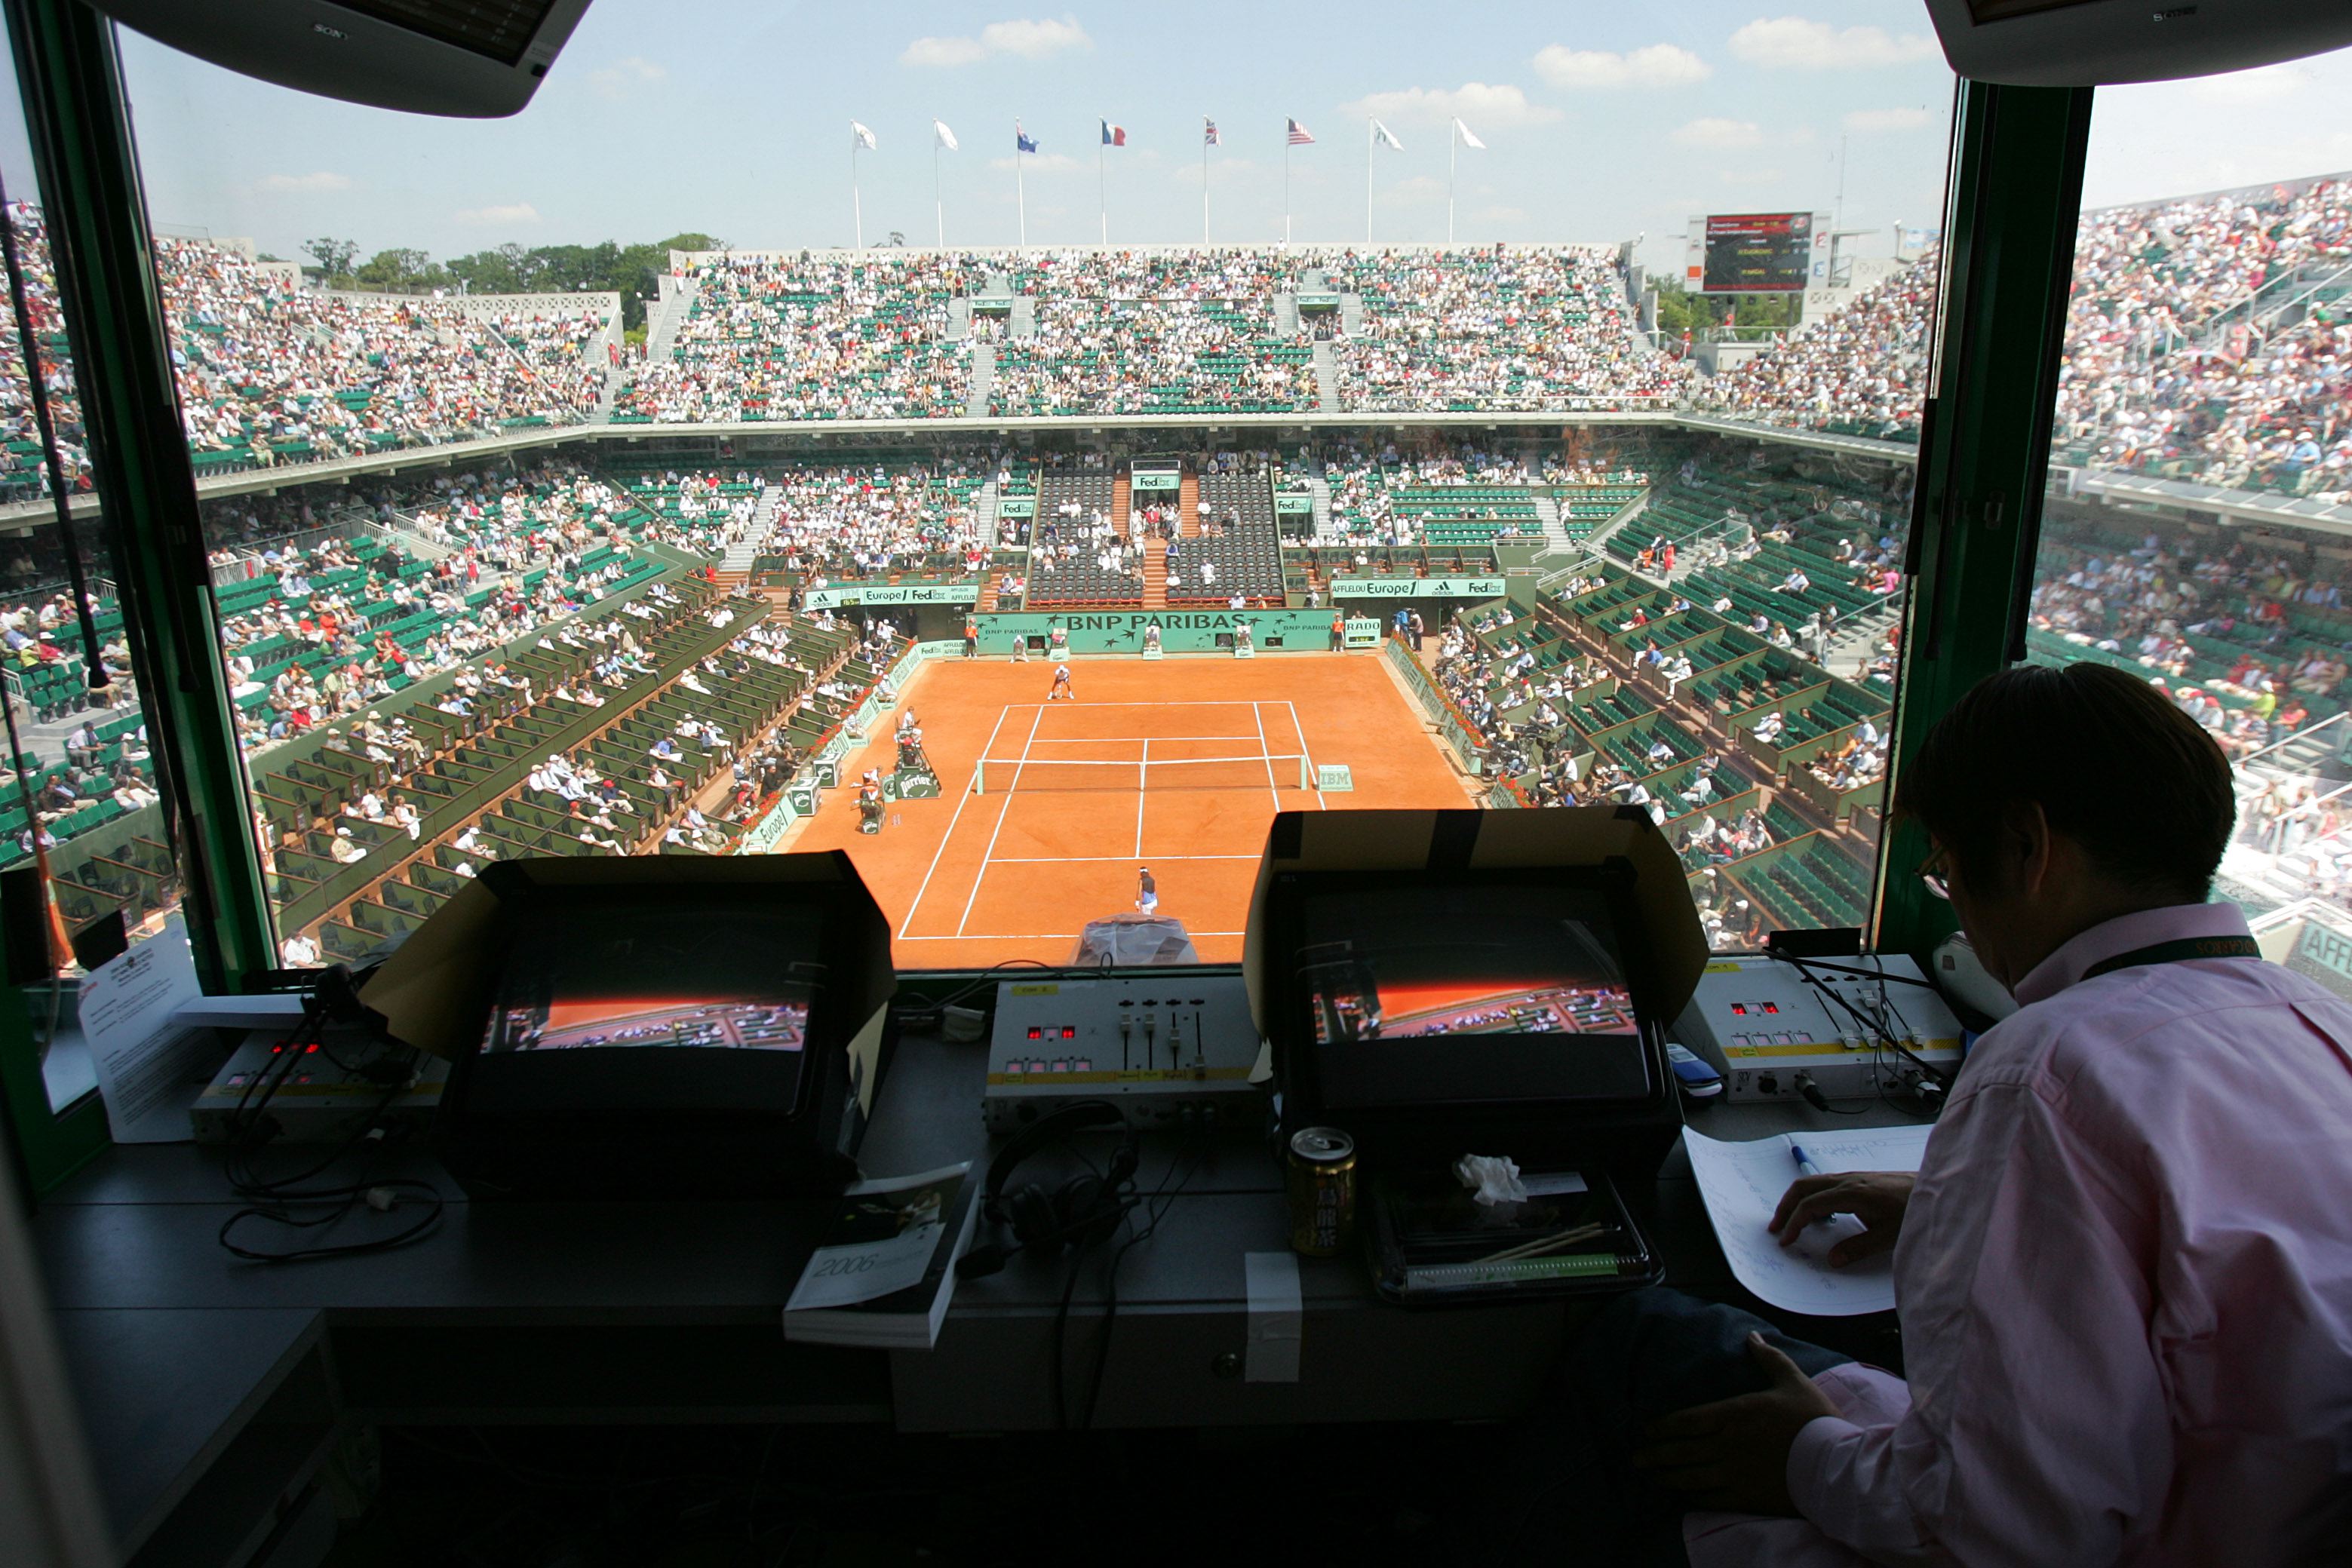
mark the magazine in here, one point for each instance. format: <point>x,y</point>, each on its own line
<point>885,1270</point>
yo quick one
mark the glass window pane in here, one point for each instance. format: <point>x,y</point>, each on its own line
<point>2202,466</point>
<point>1629,436</point>
<point>81,798</point>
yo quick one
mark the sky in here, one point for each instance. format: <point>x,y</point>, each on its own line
<point>1599,124</point>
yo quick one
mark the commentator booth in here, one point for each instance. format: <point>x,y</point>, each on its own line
<point>520,1202</point>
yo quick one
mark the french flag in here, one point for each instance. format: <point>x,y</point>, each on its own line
<point>1114,135</point>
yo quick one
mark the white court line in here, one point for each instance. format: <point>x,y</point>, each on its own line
<point>1142,787</point>
<point>1300,730</point>
<point>1124,739</point>
<point>1004,811</point>
<point>1082,860</point>
<point>1044,936</point>
<point>960,798</point>
<point>1272,788</point>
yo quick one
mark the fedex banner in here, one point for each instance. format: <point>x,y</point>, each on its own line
<point>874,593</point>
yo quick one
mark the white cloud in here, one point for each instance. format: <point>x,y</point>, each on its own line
<point>1793,43</point>
<point>1039,163</point>
<point>943,52</point>
<point>1035,40</point>
<point>1657,65</point>
<point>1031,40</point>
<point>315,185</point>
<point>1720,134</point>
<point>506,217</point>
<point>1872,121</point>
<point>619,78</point>
<point>1476,104</point>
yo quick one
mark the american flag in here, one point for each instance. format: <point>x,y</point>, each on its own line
<point>1208,132</point>
<point>1299,136</point>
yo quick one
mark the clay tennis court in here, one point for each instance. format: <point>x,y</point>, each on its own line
<point>1177,763</point>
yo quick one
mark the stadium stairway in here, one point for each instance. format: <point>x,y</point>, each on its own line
<point>1188,505</point>
<point>1122,500</point>
<point>984,380</point>
<point>1024,316</point>
<point>669,311</point>
<point>615,376</point>
<point>1155,574</point>
<point>1320,488</point>
<point>1286,315</point>
<point>1555,531</point>
<point>1351,314</point>
<point>959,317</point>
<point>1327,377</point>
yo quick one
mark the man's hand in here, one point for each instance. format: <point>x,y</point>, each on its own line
<point>1877,1199</point>
<point>1733,1454</point>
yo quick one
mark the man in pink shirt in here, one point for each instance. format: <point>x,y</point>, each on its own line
<point>2124,1271</point>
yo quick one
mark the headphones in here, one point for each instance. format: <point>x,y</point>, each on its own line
<point>1081,1213</point>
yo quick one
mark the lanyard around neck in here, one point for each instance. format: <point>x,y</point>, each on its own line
<point>2180,952</point>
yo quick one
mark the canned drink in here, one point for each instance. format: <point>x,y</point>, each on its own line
<point>1321,1178</point>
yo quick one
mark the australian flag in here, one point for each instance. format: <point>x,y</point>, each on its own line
<point>1022,140</point>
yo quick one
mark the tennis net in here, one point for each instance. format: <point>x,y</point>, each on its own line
<point>1003,775</point>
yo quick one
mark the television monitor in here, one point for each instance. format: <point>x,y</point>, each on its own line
<point>1494,988</point>
<point>619,991</point>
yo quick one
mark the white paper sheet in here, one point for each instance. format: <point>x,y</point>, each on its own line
<point>1742,1183</point>
<point>884,1264</point>
<point>150,1068</point>
<point>1276,1317</point>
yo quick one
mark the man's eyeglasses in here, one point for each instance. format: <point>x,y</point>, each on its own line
<point>1933,874</point>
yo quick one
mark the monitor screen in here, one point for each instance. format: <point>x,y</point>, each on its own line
<point>1475,990</point>
<point>592,979</point>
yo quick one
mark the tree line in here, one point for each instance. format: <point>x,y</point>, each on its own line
<point>628,270</point>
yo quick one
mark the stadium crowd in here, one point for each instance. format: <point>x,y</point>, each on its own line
<point>802,336</point>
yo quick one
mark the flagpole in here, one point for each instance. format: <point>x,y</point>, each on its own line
<point>939,207</point>
<point>1020,190</point>
<point>1451,142</point>
<point>1286,184</point>
<point>1102,187</point>
<point>857,206</point>
<point>1204,186</point>
<point>1368,179</point>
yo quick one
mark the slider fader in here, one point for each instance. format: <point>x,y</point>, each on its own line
<point>1169,1049</point>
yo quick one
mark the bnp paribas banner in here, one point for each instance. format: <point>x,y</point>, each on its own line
<point>1416,588</point>
<point>873,594</point>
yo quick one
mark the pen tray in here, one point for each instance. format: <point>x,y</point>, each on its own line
<point>1431,1243</point>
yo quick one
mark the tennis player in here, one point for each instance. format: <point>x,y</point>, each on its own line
<point>1146,892</point>
<point>1061,685</point>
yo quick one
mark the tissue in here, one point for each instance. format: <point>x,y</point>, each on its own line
<point>1495,1179</point>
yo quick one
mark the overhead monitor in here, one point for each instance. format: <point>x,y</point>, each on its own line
<point>2092,43</point>
<point>1757,252</point>
<point>466,58</point>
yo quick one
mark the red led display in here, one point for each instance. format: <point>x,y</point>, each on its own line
<point>1069,1033</point>
<point>1036,1033</point>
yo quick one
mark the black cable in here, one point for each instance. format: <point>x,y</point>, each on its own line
<point>1874,1029</point>
<point>1878,974</point>
<point>1155,1207</point>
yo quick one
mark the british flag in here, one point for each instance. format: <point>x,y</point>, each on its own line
<point>1208,133</point>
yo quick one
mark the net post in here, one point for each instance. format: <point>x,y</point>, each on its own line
<point>1306,772</point>
<point>979,775</point>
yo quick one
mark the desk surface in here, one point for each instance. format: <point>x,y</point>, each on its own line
<point>554,1312</point>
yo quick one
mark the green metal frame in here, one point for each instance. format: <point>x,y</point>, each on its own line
<point>70,77</point>
<point>2013,202</point>
<point>71,82</point>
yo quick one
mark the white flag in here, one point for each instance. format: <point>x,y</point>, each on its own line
<point>1469,140</point>
<point>1385,134</point>
<point>860,135</point>
<point>946,137</point>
